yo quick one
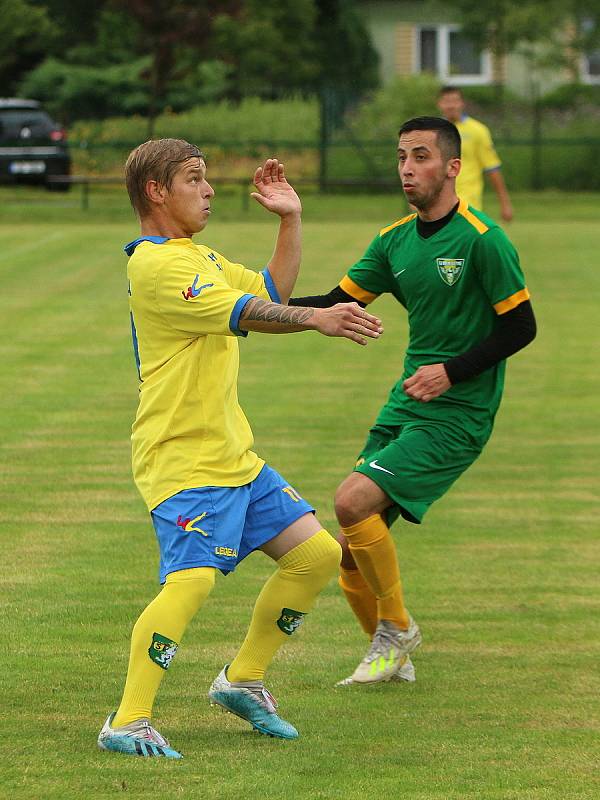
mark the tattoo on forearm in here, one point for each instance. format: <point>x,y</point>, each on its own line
<point>264,311</point>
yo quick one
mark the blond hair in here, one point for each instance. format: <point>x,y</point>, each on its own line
<point>158,160</point>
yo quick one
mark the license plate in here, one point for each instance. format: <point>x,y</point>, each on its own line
<point>27,167</point>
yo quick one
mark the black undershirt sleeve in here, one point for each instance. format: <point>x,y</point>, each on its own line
<point>337,295</point>
<point>514,330</point>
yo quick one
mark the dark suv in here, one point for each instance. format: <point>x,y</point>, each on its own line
<point>33,148</point>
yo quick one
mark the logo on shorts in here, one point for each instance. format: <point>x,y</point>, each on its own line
<point>188,524</point>
<point>375,465</point>
<point>450,269</point>
<point>226,552</point>
<point>162,650</point>
<point>194,290</point>
<point>289,620</point>
<point>359,463</point>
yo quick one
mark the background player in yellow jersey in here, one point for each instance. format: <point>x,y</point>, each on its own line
<point>479,157</point>
<point>458,277</point>
<point>212,499</point>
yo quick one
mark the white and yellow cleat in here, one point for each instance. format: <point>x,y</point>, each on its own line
<point>388,651</point>
<point>406,673</point>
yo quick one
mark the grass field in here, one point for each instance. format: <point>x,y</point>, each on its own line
<point>502,576</point>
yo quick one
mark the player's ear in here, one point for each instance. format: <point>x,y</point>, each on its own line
<point>454,165</point>
<point>155,192</point>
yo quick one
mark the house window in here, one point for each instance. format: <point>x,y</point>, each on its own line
<point>590,67</point>
<point>446,52</point>
<point>590,63</point>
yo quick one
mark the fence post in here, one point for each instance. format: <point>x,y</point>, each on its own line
<point>85,192</point>
<point>323,138</point>
<point>536,144</point>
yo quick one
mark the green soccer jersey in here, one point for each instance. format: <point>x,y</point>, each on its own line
<point>453,285</point>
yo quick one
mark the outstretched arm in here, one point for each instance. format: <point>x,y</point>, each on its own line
<point>336,295</point>
<point>345,320</point>
<point>276,195</point>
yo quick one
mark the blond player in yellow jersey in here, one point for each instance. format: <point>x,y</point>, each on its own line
<point>479,157</point>
<point>211,498</point>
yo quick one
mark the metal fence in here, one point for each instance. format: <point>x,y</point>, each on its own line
<point>529,163</point>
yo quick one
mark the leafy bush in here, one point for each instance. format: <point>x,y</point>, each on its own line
<point>76,91</point>
<point>252,120</point>
<point>380,116</point>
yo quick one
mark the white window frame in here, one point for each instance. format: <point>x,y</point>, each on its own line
<point>443,32</point>
<point>584,72</point>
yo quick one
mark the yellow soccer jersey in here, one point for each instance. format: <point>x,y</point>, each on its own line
<point>478,156</point>
<point>189,431</point>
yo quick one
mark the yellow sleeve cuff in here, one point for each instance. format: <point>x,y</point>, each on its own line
<point>357,292</point>
<point>512,302</point>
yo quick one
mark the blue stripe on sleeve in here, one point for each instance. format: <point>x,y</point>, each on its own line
<point>236,313</point>
<point>270,284</point>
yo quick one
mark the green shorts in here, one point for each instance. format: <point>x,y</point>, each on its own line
<point>415,463</point>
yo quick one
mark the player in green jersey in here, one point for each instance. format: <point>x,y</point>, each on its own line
<point>459,278</point>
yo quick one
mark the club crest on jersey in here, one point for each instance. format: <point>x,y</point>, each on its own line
<point>450,269</point>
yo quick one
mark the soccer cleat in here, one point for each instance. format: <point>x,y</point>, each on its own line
<point>388,647</point>
<point>405,673</point>
<point>137,738</point>
<point>252,702</point>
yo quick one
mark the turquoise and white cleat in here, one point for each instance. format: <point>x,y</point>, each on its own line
<point>138,738</point>
<point>252,702</point>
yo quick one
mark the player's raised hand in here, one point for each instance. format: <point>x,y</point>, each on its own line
<point>428,382</point>
<point>273,191</point>
<point>349,321</point>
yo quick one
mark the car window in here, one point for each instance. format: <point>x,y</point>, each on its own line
<point>24,123</point>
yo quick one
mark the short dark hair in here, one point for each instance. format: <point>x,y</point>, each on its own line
<point>451,90</point>
<point>448,137</point>
<point>159,160</point>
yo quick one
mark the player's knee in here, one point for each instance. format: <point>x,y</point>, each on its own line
<point>348,508</point>
<point>326,554</point>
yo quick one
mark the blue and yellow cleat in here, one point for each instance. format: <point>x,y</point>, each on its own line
<point>138,738</point>
<point>252,702</point>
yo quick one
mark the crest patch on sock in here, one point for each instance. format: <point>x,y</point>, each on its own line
<point>162,650</point>
<point>289,620</point>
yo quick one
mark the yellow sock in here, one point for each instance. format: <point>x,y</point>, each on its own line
<point>360,598</point>
<point>156,636</point>
<point>285,598</point>
<point>373,549</point>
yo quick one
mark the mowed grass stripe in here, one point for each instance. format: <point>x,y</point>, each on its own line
<point>501,575</point>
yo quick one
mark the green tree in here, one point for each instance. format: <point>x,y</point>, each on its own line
<point>25,35</point>
<point>282,46</point>
<point>346,55</point>
<point>176,35</point>
<point>270,47</point>
<point>75,22</point>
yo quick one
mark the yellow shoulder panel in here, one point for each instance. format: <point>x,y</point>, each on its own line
<point>463,210</point>
<point>402,221</point>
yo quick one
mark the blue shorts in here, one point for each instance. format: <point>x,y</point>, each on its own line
<point>216,526</point>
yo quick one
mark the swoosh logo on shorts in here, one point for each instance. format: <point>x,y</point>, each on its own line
<point>397,274</point>
<point>375,465</point>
